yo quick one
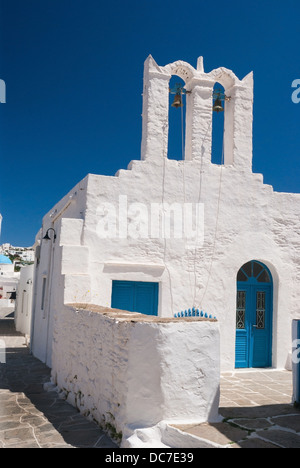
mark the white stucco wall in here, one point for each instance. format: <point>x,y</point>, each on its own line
<point>23,305</point>
<point>244,219</point>
<point>242,222</point>
<point>49,268</point>
<point>129,371</point>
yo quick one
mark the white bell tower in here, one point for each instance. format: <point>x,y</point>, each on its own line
<point>238,112</point>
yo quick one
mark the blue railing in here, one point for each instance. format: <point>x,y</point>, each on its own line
<point>193,313</point>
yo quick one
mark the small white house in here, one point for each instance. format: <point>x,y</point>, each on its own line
<point>8,285</point>
<point>165,236</point>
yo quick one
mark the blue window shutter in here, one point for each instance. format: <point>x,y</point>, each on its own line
<point>123,295</point>
<point>241,349</point>
<point>135,296</point>
<point>146,298</point>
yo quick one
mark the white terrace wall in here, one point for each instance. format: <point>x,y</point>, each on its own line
<point>128,371</point>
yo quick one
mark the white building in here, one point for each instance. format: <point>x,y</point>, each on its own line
<point>8,286</point>
<point>165,236</point>
<point>26,254</point>
<point>9,279</point>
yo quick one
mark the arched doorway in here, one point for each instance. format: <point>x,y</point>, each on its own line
<point>254,305</point>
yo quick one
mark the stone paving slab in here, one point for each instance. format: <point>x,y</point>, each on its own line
<point>31,417</point>
<point>256,407</point>
<point>257,411</point>
<point>219,433</point>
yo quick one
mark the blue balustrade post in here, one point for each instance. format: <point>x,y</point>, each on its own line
<point>196,313</point>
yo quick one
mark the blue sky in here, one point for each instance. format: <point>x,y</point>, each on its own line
<point>74,76</point>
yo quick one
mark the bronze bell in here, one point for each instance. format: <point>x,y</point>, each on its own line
<point>218,105</point>
<point>177,101</point>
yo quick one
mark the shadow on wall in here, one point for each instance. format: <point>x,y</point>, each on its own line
<point>40,417</point>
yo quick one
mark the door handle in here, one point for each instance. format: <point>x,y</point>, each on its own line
<point>254,326</point>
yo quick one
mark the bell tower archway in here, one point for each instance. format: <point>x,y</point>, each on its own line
<point>199,103</point>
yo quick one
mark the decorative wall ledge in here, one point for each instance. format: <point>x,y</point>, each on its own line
<point>123,315</point>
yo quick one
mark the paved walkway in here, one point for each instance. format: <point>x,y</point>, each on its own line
<point>255,404</point>
<point>257,411</point>
<point>31,417</point>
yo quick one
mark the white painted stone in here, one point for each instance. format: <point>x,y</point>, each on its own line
<point>131,371</point>
<point>75,259</point>
<point>77,288</point>
<point>164,435</point>
<point>71,231</point>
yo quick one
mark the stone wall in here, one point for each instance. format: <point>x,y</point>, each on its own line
<point>127,371</point>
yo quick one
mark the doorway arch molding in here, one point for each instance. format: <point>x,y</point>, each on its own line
<point>254,316</point>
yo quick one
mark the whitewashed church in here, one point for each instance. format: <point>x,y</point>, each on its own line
<point>166,236</point>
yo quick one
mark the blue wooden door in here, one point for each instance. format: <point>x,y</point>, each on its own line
<point>135,296</point>
<point>253,346</point>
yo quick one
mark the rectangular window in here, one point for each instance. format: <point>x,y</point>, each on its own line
<point>135,296</point>
<point>260,309</point>
<point>240,310</point>
<point>43,293</point>
<point>22,304</point>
